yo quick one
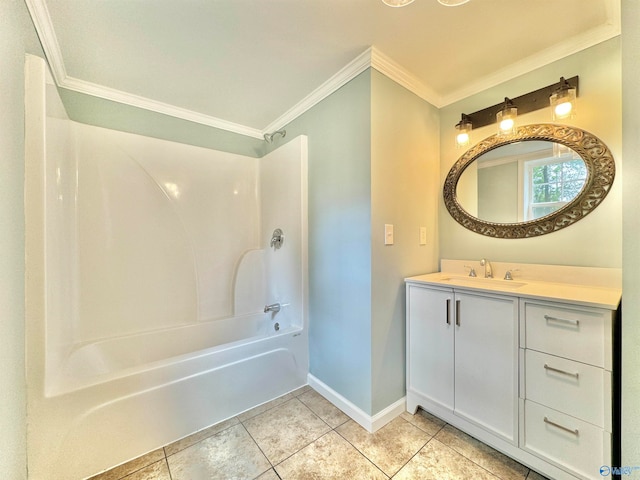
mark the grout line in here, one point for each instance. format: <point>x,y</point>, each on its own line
<point>360,451</point>
<point>202,439</point>
<point>166,460</point>
<point>259,448</point>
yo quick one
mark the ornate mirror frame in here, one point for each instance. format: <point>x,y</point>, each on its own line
<point>600,174</point>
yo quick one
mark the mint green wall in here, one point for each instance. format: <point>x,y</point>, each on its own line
<point>17,37</point>
<point>339,131</point>
<point>117,116</point>
<point>405,165</point>
<point>373,159</point>
<point>631,238</point>
<point>599,112</point>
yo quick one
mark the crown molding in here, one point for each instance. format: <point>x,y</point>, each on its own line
<point>569,47</point>
<point>372,57</point>
<point>44,27</point>
<point>401,76</point>
<point>343,76</point>
<point>119,96</point>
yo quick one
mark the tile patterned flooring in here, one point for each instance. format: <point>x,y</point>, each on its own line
<point>303,436</point>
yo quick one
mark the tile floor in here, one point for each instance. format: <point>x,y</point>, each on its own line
<point>303,436</point>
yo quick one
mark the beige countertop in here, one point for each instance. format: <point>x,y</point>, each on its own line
<point>587,295</point>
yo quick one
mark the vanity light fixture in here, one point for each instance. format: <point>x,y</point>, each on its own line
<point>397,3</point>
<point>506,118</point>
<point>529,102</point>
<point>563,101</point>
<point>463,135</point>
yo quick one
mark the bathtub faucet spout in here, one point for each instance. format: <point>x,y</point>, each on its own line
<point>274,307</point>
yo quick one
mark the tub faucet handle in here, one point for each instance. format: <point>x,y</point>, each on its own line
<point>274,307</point>
<point>277,238</point>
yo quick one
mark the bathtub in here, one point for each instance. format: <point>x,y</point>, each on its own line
<point>216,342</point>
<point>148,268</point>
<point>123,398</point>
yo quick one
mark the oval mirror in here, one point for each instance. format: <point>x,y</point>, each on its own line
<point>542,178</point>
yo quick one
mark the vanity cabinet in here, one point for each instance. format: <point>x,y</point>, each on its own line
<point>463,351</point>
<point>527,374</point>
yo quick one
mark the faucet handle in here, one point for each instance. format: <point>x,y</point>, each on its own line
<point>472,271</point>
<point>508,275</point>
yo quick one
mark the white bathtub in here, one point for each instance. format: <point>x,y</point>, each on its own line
<point>114,358</point>
<point>145,402</point>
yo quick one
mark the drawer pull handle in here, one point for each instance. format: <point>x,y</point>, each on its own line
<point>557,370</point>
<point>458,312</point>
<point>561,427</point>
<point>562,320</point>
<point>448,311</point>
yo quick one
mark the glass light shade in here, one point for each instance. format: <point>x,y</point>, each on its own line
<point>397,3</point>
<point>452,3</point>
<point>563,103</point>
<point>506,119</point>
<point>463,133</point>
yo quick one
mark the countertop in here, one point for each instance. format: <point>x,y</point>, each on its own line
<point>586,295</point>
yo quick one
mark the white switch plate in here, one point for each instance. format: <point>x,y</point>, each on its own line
<point>388,234</point>
<point>423,235</point>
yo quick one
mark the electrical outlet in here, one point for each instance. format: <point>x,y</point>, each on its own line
<point>423,235</point>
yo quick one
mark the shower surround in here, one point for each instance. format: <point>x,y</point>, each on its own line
<point>149,267</point>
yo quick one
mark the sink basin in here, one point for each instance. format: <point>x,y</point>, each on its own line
<point>481,282</point>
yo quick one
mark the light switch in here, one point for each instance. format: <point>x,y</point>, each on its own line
<point>423,235</point>
<point>388,234</point>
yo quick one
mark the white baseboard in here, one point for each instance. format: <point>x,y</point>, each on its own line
<point>368,422</point>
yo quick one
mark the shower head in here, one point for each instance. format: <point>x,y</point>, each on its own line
<point>269,136</point>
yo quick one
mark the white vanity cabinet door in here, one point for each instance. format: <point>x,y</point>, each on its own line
<point>430,344</point>
<point>486,362</point>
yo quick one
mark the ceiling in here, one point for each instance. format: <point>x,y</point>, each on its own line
<point>250,66</point>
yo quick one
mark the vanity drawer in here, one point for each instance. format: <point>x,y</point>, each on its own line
<point>575,388</point>
<point>583,335</point>
<point>566,441</point>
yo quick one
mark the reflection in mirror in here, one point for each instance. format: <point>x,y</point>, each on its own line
<point>521,181</point>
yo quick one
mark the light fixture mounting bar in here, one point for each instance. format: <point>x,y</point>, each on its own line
<point>529,102</point>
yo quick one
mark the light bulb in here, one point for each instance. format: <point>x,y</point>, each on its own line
<point>464,127</point>
<point>462,139</point>
<point>506,118</point>
<point>397,3</point>
<point>506,124</point>
<point>452,3</point>
<point>563,101</point>
<point>563,110</point>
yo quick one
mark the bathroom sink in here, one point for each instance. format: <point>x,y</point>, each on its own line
<point>481,282</point>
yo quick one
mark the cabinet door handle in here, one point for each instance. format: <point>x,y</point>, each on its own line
<point>557,370</point>
<point>549,318</point>
<point>448,311</point>
<point>458,312</point>
<point>561,427</point>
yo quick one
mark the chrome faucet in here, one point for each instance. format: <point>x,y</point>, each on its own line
<point>274,307</point>
<point>488,271</point>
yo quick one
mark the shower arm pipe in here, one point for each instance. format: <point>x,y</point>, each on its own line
<point>269,136</point>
